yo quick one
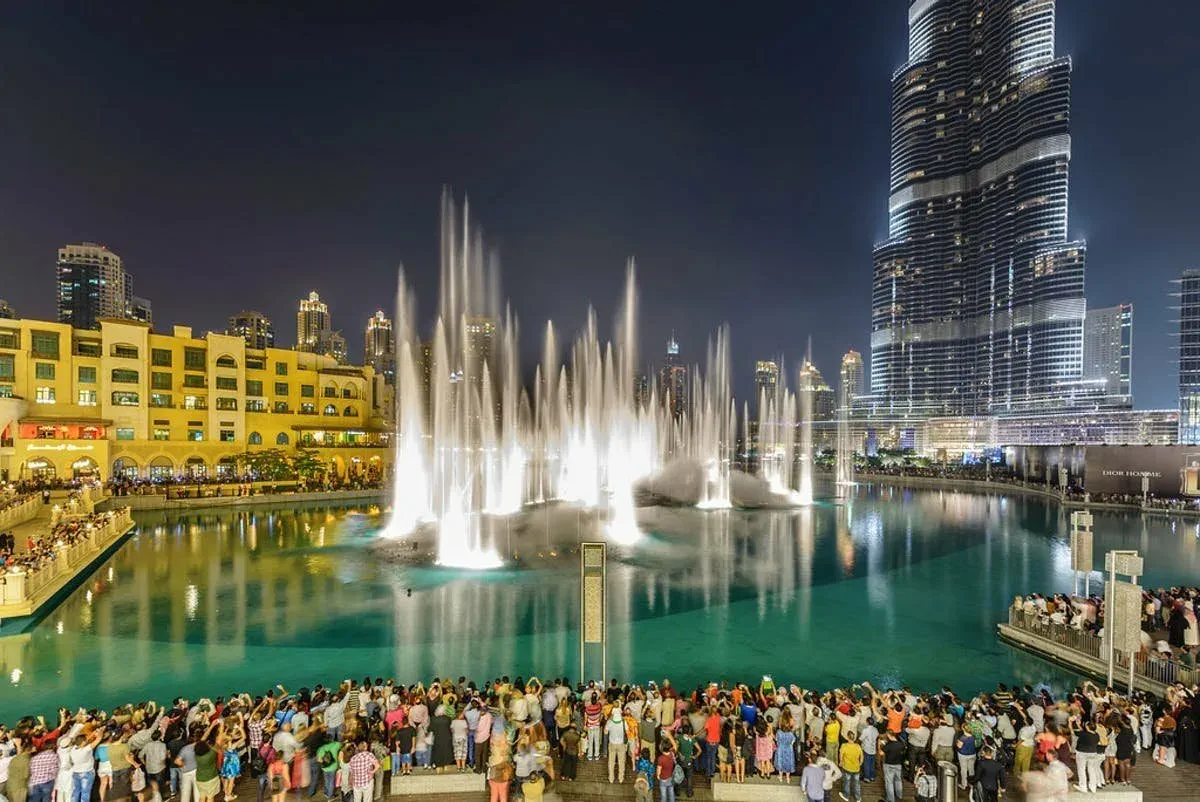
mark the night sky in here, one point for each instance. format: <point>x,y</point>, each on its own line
<point>237,157</point>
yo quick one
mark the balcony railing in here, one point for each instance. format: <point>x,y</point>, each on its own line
<point>1151,666</point>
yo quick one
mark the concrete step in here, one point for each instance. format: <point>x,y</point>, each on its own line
<point>758,791</point>
<point>422,783</point>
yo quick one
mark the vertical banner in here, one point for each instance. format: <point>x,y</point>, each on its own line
<point>593,624</point>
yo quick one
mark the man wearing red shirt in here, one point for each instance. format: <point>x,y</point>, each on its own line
<point>665,771</point>
<point>712,737</point>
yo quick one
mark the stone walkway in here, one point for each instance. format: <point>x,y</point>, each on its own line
<point>1158,784</point>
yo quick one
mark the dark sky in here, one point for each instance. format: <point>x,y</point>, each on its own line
<point>239,156</point>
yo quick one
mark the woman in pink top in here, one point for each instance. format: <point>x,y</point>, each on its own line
<point>483,734</point>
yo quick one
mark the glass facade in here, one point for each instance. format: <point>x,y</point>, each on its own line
<point>1189,357</point>
<point>978,294</point>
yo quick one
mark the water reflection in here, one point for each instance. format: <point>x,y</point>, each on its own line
<point>892,585</point>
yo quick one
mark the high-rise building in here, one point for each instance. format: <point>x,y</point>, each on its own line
<point>311,321</point>
<point>379,350</point>
<point>824,400</point>
<point>673,380</point>
<point>92,285</point>
<point>766,379</point>
<point>140,308</point>
<point>851,384</point>
<point>314,333</point>
<point>1189,356</point>
<point>978,294</point>
<point>6,311</point>
<point>253,327</point>
<point>1108,349</point>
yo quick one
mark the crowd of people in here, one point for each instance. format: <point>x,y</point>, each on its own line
<point>524,735</point>
<point>42,550</point>
<point>1169,626</point>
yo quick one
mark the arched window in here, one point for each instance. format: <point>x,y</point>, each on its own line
<point>330,390</point>
<point>349,391</point>
<point>281,439</point>
<point>255,439</point>
<point>348,412</point>
<point>330,409</point>
<point>226,361</point>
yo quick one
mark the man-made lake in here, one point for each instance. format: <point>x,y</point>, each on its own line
<point>894,586</point>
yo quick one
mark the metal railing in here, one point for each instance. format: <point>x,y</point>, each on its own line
<point>1150,666</point>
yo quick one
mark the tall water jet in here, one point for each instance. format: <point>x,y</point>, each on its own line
<point>714,424</point>
<point>804,491</point>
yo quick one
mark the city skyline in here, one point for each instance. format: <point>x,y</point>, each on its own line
<point>745,226</point>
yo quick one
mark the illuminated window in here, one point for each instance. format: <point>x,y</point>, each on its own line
<point>44,395</point>
<point>87,398</point>
<point>124,398</point>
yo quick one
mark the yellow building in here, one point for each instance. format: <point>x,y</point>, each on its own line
<point>128,401</point>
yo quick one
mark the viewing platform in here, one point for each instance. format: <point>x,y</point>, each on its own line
<point>23,593</point>
<point>1082,651</point>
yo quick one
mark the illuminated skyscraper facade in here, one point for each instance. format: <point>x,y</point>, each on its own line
<point>1189,357</point>
<point>766,379</point>
<point>673,380</point>
<point>253,327</point>
<point>379,349</point>
<point>978,293</point>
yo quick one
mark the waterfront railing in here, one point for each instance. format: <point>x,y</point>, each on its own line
<point>24,585</point>
<point>1147,665</point>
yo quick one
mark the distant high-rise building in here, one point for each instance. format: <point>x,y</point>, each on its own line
<point>673,380</point>
<point>379,350</point>
<point>851,384</point>
<point>1189,357</point>
<point>6,311</point>
<point>824,400</point>
<point>311,321</point>
<point>332,343</point>
<point>978,294</point>
<point>766,379</point>
<point>641,389</point>
<point>314,332</point>
<point>1108,349</point>
<point>141,309</point>
<point>253,327</point>
<point>92,285</point>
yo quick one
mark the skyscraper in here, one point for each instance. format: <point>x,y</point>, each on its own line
<point>1108,349</point>
<point>673,380</point>
<point>6,311</point>
<point>311,321</point>
<point>851,384</point>
<point>253,327</point>
<point>766,379</point>
<point>978,294</point>
<point>139,308</point>
<point>92,284</point>
<point>379,350</point>
<point>1189,356</point>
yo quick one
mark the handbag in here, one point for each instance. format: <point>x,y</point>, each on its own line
<point>137,779</point>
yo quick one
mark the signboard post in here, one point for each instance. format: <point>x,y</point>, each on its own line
<point>593,608</point>
<point>1081,548</point>
<point>1123,609</point>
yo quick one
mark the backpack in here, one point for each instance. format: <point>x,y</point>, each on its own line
<point>276,783</point>
<point>678,776</point>
<point>927,785</point>
<point>258,765</point>
<point>325,759</point>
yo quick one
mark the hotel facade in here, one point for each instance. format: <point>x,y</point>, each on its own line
<point>127,401</point>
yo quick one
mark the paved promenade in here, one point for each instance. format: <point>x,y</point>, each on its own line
<point>1157,784</point>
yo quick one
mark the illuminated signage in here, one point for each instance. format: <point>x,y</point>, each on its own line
<point>58,447</point>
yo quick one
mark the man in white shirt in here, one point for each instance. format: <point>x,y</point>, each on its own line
<point>615,730</point>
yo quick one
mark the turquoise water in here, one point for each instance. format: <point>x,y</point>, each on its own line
<point>896,587</point>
